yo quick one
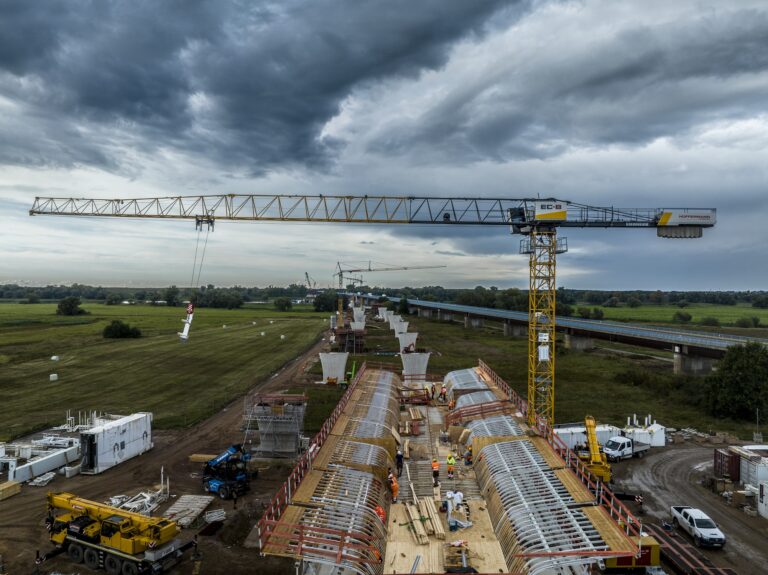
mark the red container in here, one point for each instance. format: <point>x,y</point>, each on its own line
<point>727,464</point>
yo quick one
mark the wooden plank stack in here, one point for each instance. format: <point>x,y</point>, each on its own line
<point>9,489</point>
<point>434,516</point>
<point>414,518</point>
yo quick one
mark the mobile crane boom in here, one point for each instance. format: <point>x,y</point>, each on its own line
<point>537,219</point>
<point>122,541</point>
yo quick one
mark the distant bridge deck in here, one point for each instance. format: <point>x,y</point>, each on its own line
<point>667,338</point>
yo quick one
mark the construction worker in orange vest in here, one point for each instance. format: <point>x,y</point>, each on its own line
<point>435,473</point>
<point>393,485</point>
<point>450,462</point>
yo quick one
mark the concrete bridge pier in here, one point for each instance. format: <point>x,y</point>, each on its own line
<point>477,322</point>
<point>466,321</point>
<point>519,330</point>
<point>687,363</point>
<point>578,342</point>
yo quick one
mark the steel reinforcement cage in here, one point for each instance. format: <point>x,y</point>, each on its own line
<point>335,520</point>
<point>463,381</point>
<point>475,398</point>
<point>604,498</point>
<point>359,551</point>
<point>532,511</point>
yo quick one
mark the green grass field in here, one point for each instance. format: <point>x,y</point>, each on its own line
<point>727,314</point>
<point>182,383</point>
<point>594,383</point>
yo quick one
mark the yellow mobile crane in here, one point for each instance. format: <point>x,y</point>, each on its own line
<point>125,543</point>
<point>598,463</point>
<point>536,219</point>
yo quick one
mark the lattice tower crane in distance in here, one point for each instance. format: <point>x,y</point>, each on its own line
<point>340,270</point>
<point>536,219</point>
<point>340,298</point>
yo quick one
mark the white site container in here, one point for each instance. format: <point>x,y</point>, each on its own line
<point>114,442</point>
<point>577,435</point>
<point>762,499</point>
<point>754,470</point>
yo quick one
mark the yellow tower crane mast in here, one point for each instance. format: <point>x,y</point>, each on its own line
<point>537,219</point>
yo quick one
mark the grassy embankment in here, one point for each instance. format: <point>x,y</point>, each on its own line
<point>181,383</point>
<point>598,383</point>
<point>663,314</point>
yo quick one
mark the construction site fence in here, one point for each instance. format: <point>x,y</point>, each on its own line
<point>605,498</point>
<point>283,497</point>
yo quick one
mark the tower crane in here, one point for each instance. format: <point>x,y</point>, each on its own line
<point>536,219</point>
<point>340,270</point>
<point>310,283</point>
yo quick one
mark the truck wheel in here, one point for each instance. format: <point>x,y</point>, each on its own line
<point>130,568</point>
<point>640,455</point>
<point>206,487</point>
<point>75,553</point>
<point>91,557</point>
<point>223,492</point>
<point>675,522</point>
<point>697,540</point>
<point>113,565</point>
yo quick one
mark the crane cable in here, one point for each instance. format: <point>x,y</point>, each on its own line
<point>202,257</point>
<point>194,262</point>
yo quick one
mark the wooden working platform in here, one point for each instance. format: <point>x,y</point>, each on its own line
<point>608,530</point>
<point>483,550</point>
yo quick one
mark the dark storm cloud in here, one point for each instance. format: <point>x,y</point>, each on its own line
<point>632,86</point>
<point>248,85</point>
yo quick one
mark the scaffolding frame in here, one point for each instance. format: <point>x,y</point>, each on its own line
<point>279,420</point>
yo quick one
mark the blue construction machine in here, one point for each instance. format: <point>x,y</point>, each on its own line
<point>228,474</point>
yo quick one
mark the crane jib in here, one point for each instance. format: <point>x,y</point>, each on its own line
<point>518,213</point>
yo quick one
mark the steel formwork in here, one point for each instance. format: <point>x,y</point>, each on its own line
<point>534,514</point>
<point>329,514</point>
<point>475,398</point>
<point>463,381</point>
<point>495,426</point>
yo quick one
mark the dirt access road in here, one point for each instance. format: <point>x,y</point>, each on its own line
<point>671,476</point>
<point>22,529</point>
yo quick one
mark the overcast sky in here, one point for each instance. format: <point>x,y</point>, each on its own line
<point>632,104</point>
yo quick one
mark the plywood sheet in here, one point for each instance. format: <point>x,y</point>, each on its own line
<point>291,516</point>
<point>576,488</point>
<point>9,489</point>
<point>608,529</point>
<point>553,460</point>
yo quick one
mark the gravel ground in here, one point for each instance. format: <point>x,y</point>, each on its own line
<point>672,476</point>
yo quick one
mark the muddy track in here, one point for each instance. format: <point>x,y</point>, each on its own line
<point>671,476</point>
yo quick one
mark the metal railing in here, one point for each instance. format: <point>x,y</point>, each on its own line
<point>283,497</point>
<point>618,512</point>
